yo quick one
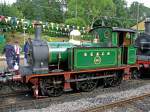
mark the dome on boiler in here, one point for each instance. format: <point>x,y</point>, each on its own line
<point>75,33</point>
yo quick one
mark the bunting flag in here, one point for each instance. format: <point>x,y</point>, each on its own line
<point>52,29</point>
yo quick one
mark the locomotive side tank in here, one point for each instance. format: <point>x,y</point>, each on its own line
<point>58,51</point>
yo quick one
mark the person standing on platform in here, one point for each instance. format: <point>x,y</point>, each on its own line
<point>17,52</point>
<point>26,50</point>
<point>9,54</point>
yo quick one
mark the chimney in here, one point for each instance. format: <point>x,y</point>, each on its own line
<point>38,30</point>
<point>147,25</point>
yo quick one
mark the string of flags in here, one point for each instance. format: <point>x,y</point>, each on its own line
<point>52,29</point>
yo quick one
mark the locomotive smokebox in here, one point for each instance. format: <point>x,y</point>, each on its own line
<point>38,28</point>
<point>147,25</point>
<point>38,52</point>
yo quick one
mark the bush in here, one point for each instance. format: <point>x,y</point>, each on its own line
<point>75,22</point>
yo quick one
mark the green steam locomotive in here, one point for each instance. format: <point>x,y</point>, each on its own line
<point>55,67</point>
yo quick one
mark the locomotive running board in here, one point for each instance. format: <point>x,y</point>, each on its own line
<point>90,78</point>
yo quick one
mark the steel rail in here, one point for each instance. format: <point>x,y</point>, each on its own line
<point>41,103</point>
<point>32,103</point>
<point>14,93</point>
<point>116,104</point>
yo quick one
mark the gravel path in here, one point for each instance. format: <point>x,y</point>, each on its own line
<point>99,99</point>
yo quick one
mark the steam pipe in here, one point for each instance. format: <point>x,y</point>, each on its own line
<point>38,30</point>
<point>147,25</point>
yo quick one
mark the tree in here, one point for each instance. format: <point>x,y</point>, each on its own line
<point>121,9</point>
<point>75,21</point>
<point>143,11</point>
<point>10,10</point>
<point>41,10</point>
<point>26,7</point>
<point>54,13</point>
<point>90,10</point>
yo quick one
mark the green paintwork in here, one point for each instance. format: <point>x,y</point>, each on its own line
<point>58,51</point>
<point>2,39</point>
<point>104,54</point>
<point>114,39</point>
<point>131,55</point>
<point>119,56</point>
<point>70,59</point>
<point>104,33</point>
<point>91,58</point>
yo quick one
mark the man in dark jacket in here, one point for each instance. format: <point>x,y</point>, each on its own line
<point>10,55</point>
<point>26,50</point>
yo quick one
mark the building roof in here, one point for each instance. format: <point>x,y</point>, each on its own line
<point>141,26</point>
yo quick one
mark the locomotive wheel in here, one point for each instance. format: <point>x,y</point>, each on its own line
<point>87,85</point>
<point>135,74</point>
<point>113,81</point>
<point>17,86</point>
<point>52,86</point>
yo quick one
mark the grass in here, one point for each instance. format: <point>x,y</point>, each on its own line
<point>12,37</point>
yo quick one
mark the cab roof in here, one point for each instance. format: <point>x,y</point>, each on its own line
<point>116,29</point>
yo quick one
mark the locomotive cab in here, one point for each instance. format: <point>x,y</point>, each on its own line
<point>125,38</point>
<point>121,38</point>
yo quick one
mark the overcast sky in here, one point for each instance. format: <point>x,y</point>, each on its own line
<point>8,1</point>
<point>146,2</point>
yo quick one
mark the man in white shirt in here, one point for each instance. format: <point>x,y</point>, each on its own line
<point>17,51</point>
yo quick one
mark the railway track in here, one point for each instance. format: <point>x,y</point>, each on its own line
<point>14,93</point>
<point>25,103</point>
<point>117,103</point>
<point>31,103</point>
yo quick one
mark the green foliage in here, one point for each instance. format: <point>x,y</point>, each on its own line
<point>78,12</point>
<point>143,11</point>
<point>120,8</point>
<point>10,10</point>
<point>75,22</point>
<point>89,10</point>
<point>26,7</point>
<point>41,10</point>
